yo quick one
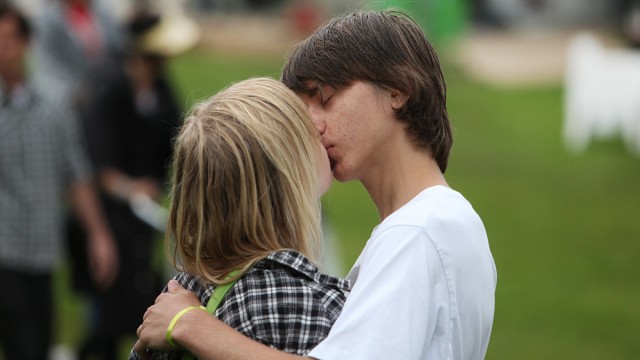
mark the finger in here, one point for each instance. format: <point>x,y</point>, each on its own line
<point>174,286</point>
<point>111,277</point>
<point>139,332</point>
<point>111,272</point>
<point>100,278</point>
<point>141,351</point>
<point>144,355</point>
<point>104,272</point>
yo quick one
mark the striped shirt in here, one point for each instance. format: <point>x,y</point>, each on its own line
<point>283,301</point>
<point>40,157</point>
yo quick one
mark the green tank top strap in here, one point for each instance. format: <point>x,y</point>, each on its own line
<point>219,292</point>
<point>214,301</point>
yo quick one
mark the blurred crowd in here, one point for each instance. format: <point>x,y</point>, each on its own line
<point>87,115</point>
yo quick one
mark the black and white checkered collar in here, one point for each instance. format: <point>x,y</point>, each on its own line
<point>301,264</point>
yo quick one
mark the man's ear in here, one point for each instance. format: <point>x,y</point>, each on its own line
<point>398,99</point>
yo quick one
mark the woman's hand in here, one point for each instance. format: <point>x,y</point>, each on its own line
<point>152,332</point>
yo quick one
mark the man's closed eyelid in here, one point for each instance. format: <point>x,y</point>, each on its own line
<point>323,95</point>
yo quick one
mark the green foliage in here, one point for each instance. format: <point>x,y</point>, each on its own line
<point>562,227</point>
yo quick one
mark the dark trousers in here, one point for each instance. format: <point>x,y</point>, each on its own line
<point>26,307</point>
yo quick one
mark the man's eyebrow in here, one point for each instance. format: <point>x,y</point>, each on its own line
<point>311,88</point>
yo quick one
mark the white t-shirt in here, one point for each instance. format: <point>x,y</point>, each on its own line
<point>424,286</point>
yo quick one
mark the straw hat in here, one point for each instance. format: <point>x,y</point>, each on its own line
<point>169,36</point>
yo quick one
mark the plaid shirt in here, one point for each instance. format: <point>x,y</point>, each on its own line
<point>40,157</point>
<point>283,302</point>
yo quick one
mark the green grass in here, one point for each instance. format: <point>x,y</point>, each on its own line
<point>200,74</point>
<point>563,228</point>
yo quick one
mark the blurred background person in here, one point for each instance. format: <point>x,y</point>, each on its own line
<point>73,39</point>
<point>41,162</point>
<point>129,119</point>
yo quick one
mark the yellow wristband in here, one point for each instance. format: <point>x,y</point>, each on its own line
<point>175,320</point>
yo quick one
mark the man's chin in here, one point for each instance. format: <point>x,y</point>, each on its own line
<point>339,173</point>
<point>340,177</point>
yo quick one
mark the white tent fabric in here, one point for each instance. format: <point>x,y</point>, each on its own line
<point>602,94</point>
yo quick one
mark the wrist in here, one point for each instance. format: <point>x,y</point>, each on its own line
<point>178,325</point>
<point>99,235</point>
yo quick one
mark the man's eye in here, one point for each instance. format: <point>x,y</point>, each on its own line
<point>324,97</point>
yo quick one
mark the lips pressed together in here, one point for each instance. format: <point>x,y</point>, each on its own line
<point>329,150</point>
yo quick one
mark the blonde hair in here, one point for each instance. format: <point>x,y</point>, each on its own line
<point>244,182</point>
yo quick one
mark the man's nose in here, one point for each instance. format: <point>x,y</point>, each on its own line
<point>318,121</point>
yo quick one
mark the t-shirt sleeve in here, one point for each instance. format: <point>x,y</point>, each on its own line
<point>400,286</point>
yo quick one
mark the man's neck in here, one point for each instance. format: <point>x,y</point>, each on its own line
<point>402,179</point>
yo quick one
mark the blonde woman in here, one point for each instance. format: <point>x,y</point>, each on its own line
<point>248,172</point>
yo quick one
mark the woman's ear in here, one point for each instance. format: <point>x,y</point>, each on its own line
<point>398,99</point>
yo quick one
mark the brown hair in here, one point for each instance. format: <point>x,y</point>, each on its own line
<point>245,181</point>
<point>9,11</point>
<point>388,49</point>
